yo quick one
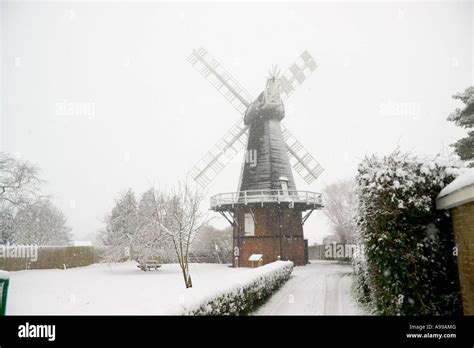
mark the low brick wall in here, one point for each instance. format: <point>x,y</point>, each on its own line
<point>463,225</point>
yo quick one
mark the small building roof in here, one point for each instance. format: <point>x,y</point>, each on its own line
<point>459,191</point>
<point>255,257</point>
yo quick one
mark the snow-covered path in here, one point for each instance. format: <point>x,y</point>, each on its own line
<point>322,287</point>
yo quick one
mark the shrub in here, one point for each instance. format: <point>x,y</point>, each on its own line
<point>407,266</point>
<point>247,294</point>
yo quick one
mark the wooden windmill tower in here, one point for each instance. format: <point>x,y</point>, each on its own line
<point>267,210</point>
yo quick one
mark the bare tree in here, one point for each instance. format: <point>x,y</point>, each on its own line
<point>162,223</point>
<point>181,218</point>
<point>339,205</point>
<point>19,181</point>
<point>19,188</point>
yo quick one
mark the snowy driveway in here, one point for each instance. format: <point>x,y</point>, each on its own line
<point>322,287</point>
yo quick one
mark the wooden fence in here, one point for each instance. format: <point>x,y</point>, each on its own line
<point>49,257</point>
<point>337,252</point>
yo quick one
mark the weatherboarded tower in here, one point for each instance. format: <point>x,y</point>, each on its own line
<point>267,212</point>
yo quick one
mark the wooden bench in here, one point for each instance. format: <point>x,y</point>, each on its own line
<point>149,265</point>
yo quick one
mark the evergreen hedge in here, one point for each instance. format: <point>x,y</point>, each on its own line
<point>246,296</point>
<point>408,263</point>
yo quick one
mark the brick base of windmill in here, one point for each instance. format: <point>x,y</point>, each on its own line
<point>269,224</point>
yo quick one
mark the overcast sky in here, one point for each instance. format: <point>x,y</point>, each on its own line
<point>386,73</point>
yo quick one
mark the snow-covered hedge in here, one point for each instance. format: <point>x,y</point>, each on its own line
<point>250,289</point>
<point>408,264</point>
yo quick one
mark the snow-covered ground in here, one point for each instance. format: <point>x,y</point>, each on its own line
<point>319,288</point>
<point>323,287</point>
<point>115,289</point>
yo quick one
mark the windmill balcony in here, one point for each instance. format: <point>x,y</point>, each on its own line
<point>301,200</point>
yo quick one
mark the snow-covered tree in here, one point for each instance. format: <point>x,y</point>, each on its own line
<point>120,226</point>
<point>7,224</point>
<point>182,220</point>
<point>19,181</point>
<point>464,117</point>
<point>149,241</point>
<point>407,265</point>
<point>40,223</point>
<point>339,205</point>
<point>215,242</point>
<point>163,223</point>
<point>26,216</point>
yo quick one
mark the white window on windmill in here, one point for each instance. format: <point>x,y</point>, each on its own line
<point>284,184</point>
<point>249,225</point>
<point>284,188</point>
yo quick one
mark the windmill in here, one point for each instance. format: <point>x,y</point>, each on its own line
<point>267,211</point>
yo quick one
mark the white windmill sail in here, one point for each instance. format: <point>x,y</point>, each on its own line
<point>298,72</point>
<point>235,139</point>
<point>301,160</point>
<point>225,84</point>
<point>215,160</point>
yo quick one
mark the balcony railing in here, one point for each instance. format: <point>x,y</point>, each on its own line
<point>265,196</point>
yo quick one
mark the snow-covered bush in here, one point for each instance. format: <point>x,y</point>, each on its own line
<point>252,290</point>
<point>213,245</point>
<point>361,280</point>
<point>408,264</point>
<point>131,230</point>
